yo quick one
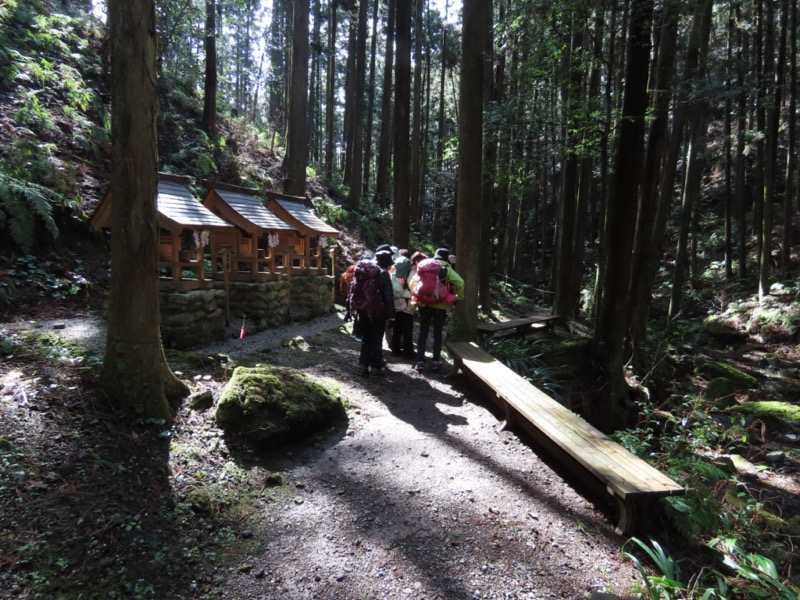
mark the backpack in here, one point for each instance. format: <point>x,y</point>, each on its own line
<point>346,280</point>
<point>432,285</point>
<point>365,293</point>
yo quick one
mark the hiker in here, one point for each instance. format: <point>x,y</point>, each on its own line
<point>389,325</point>
<point>415,260</point>
<point>371,296</point>
<point>431,291</point>
<point>403,329</point>
<point>346,282</point>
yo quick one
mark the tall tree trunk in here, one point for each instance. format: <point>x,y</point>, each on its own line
<point>691,192</point>
<point>740,193</point>
<point>774,77</point>
<point>489,166</point>
<point>728,149</point>
<point>135,374</point>
<point>791,158</point>
<point>695,114</point>
<point>349,97</point>
<point>385,138</point>
<point>469,211</point>
<point>330,89</point>
<point>416,127</point>
<point>297,138</point>
<point>371,100</point>
<point>565,281</point>
<point>356,176</point>
<point>402,122</point>
<point>760,125</point>
<point>314,88</point>
<point>209,122</point>
<point>276,81</point>
<point>612,322</point>
<point>441,137</point>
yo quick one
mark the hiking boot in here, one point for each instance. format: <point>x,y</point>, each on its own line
<point>377,371</point>
<point>437,365</point>
<point>363,370</point>
<point>420,366</point>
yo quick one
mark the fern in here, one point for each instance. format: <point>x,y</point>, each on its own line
<point>694,465</point>
<point>21,202</point>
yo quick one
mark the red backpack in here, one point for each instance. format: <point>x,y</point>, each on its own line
<point>432,286</point>
<point>365,293</point>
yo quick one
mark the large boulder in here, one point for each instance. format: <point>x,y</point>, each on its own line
<point>265,406</point>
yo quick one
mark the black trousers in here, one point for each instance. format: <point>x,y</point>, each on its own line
<point>403,333</point>
<point>430,316</point>
<point>371,340</point>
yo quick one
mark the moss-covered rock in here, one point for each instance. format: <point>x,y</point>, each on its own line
<point>268,405</point>
<point>737,377</point>
<point>779,414</point>
<point>724,330</point>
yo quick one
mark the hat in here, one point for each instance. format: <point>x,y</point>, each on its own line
<point>442,254</point>
<point>417,257</point>
<point>383,247</point>
<point>402,267</point>
<point>384,259</point>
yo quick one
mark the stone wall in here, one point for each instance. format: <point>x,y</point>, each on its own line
<point>311,297</point>
<point>262,304</point>
<point>192,318</point>
<point>198,317</point>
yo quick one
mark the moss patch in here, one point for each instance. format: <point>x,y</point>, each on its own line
<point>268,405</point>
<point>770,411</point>
<point>737,377</point>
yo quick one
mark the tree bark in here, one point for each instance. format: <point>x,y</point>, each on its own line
<point>209,122</point>
<point>469,210</point>
<point>371,100</point>
<point>357,174</point>
<point>402,121</point>
<point>135,374</point>
<point>385,138</point>
<point>297,138</point>
<point>612,322</point>
<point>329,95</point>
<point>417,153</point>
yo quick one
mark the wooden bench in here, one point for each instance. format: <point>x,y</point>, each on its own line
<point>598,461</point>
<point>519,327</point>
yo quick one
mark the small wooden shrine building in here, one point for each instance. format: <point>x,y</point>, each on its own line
<point>255,240</point>
<point>186,227</point>
<point>304,250</point>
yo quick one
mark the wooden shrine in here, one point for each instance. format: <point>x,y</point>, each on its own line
<point>186,228</point>
<point>256,242</point>
<point>304,250</point>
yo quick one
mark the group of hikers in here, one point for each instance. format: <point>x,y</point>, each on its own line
<point>391,288</point>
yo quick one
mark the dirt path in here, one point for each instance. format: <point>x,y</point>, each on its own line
<point>420,496</point>
<point>417,495</point>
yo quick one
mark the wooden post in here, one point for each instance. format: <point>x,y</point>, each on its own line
<point>288,262</point>
<point>225,254</point>
<point>333,273</point>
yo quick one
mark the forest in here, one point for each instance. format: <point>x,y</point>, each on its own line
<point>629,165</point>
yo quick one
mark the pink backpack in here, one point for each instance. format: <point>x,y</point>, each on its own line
<point>432,287</point>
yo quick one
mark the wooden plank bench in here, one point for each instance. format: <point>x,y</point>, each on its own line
<point>591,455</point>
<point>519,327</point>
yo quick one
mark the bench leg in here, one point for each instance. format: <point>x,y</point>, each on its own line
<point>454,369</point>
<point>627,516</point>
<point>508,414</point>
